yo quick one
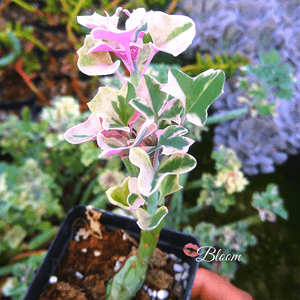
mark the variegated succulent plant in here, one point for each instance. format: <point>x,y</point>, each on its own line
<point>143,122</point>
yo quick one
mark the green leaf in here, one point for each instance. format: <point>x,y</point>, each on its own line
<point>147,221</point>
<point>42,238</point>
<point>151,98</point>
<point>177,164</point>
<point>15,236</point>
<point>171,140</point>
<point>149,180</point>
<point>117,195</point>
<point>171,33</point>
<point>168,186</point>
<point>197,93</point>
<point>112,106</point>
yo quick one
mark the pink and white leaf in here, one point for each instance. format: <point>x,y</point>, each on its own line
<point>170,33</point>
<point>95,20</point>
<point>111,105</point>
<point>120,144</point>
<point>135,194</point>
<point>96,63</point>
<point>84,132</point>
<point>140,158</point>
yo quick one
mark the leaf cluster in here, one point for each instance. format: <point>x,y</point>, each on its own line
<point>233,239</point>
<point>270,201</point>
<point>22,274</point>
<point>271,77</point>
<point>39,172</point>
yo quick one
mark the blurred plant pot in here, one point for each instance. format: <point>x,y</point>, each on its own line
<point>170,241</point>
<point>13,99</point>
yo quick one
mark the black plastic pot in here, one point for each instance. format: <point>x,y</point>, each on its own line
<point>170,241</point>
<point>19,105</point>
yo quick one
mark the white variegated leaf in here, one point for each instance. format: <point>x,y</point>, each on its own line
<point>147,221</point>
<point>171,140</point>
<point>96,63</point>
<point>197,93</point>
<point>170,33</point>
<point>112,106</point>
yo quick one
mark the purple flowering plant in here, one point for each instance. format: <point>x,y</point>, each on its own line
<point>143,122</point>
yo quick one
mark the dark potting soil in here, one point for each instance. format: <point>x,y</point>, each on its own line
<point>90,262</point>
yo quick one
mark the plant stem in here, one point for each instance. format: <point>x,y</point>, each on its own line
<point>176,203</point>
<point>72,16</point>
<point>127,282</point>
<point>152,200</point>
<point>135,75</point>
<point>148,62</point>
<point>193,185</point>
<point>19,68</point>
<point>25,5</point>
<point>16,47</point>
<point>249,221</point>
<point>33,9</point>
<point>120,76</point>
<point>227,116</point>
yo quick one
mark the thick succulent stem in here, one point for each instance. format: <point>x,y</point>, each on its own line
<point>127,282</point>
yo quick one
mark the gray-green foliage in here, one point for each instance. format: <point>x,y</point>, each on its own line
<point>270,78</point>
<point>23,273</point>
<point>218,190</point>
<point>33,182</point>
<point>42,166</point>
<point>269,204</point>
<point>277,76</point>
<point>232,239</point>
<point>29,197</point>
<point>235,238</point>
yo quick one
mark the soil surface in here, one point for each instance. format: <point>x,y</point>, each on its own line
<point>90,262</point>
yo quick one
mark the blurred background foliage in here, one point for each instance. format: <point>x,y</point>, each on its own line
<point>243,196</point>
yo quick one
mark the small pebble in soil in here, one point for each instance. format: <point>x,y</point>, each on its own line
<point>184,284</point>
<point>186,265</point>
<point>97,253</point>
<point>76,238</point>
<point>178,268</point>
<point>154,294</point>
<point>79,275</point>
<point>162,294</point>
<point>145,287</point>
<point>117,266</point>
<point>177,277</point>
<point>185,275</point>
<point>173,256</point>
<point>52,279</point>
<point>82,232</point>
<point>84,250</point>
<point>150,292</point>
